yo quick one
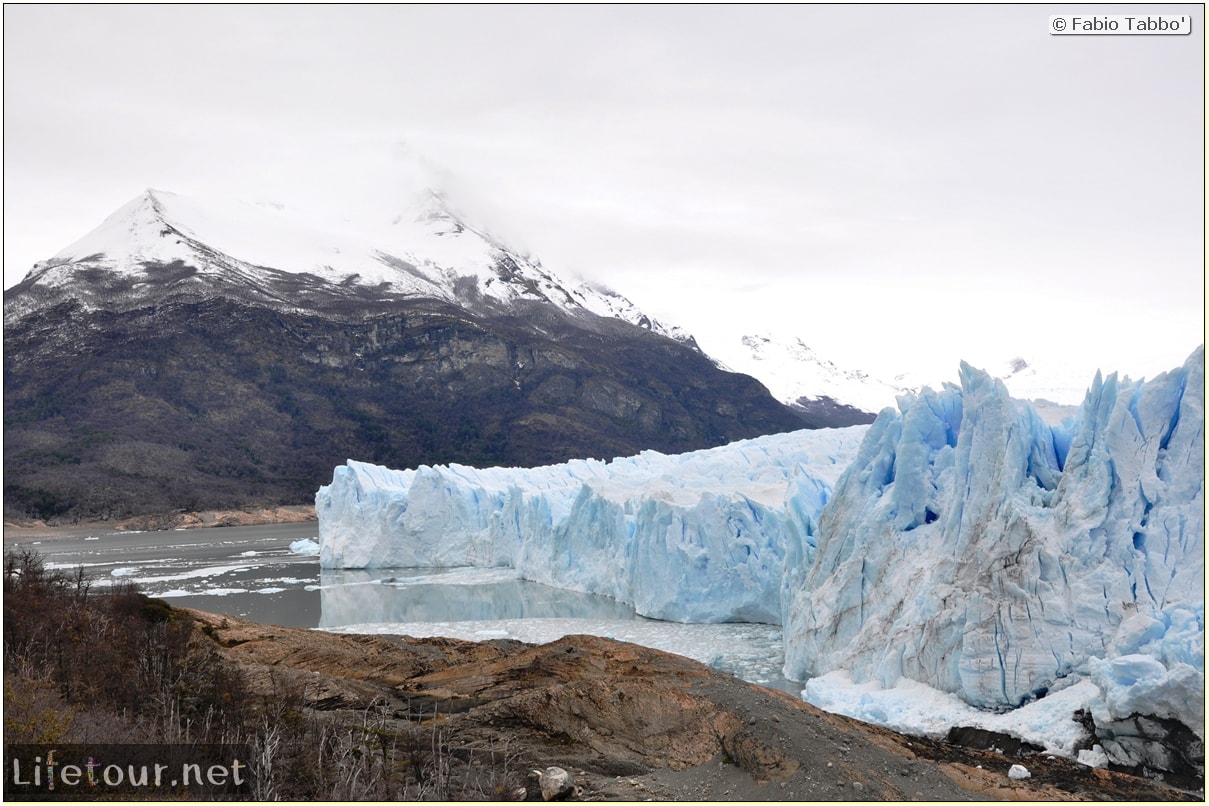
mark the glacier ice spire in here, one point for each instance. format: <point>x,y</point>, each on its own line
<point>974,548</point>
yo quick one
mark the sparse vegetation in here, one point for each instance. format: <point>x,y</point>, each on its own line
<point>115,666</point>
<point>85,665</point>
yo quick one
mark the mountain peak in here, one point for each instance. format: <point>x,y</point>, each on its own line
<point>434,211</point>
<point>161,244</point>
<point>435,202</point>
<point>151,201</point>
<point>135,231</point>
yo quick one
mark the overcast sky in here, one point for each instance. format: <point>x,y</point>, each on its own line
<point>901,187</point>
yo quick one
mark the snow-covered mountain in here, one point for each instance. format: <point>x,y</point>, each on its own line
<point>969,545</point>
<point>829,395</point>
<point>189,354</point>
<point>1054,387</point>
<point>799,377</point>
<point>162,245</point>
<point>279,256</point>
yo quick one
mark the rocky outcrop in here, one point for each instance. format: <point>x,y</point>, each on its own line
<point>631,723</point>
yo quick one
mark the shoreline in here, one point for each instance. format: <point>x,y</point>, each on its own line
<point>209,519</point>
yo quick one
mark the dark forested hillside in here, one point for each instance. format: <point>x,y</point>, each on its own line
<point>216,403</point>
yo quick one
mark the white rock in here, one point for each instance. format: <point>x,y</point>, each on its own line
<point>1096,757</point>
<point>555,782</point>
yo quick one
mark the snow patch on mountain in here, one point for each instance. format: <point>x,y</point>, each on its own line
<point>604,301</point>
<point>794,372</point>
<point>161,227</point>
<point>424,249</point>
<point>1055,386</point>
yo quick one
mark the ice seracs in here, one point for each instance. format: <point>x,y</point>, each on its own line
<point>979,550</point>
<point>695,537</point>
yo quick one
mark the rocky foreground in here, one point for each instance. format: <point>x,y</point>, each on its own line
<point>631,723</point>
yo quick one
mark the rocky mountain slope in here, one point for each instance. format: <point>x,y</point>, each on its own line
<point>195,356</point>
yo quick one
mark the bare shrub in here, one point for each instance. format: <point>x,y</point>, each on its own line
<point>118,666</point>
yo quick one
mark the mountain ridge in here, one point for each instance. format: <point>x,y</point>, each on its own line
<point>823,394</point>
<point>147,367</point>
<point>266,252</point>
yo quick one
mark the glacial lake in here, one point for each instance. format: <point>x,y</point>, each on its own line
<point>253,573</point>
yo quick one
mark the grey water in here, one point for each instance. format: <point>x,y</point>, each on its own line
<point>221,570</point>
<point>253,573</point>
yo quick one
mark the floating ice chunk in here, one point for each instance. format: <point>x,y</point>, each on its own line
<point>306,547</point>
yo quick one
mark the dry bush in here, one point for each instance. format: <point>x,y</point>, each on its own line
<point>119,667</point>
<point>124,659</point>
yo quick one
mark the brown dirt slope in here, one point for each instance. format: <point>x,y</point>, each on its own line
<point>633,723</point>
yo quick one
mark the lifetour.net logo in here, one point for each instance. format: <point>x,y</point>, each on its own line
<point>108,771</point>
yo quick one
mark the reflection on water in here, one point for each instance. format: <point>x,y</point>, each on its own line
<point>411,595</point>
<point>251,572</point>
<point>293,607</point>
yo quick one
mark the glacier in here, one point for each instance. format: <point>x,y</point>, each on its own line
<point>695,537</point>
<point>961,542</point>
<point>978,550</point>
